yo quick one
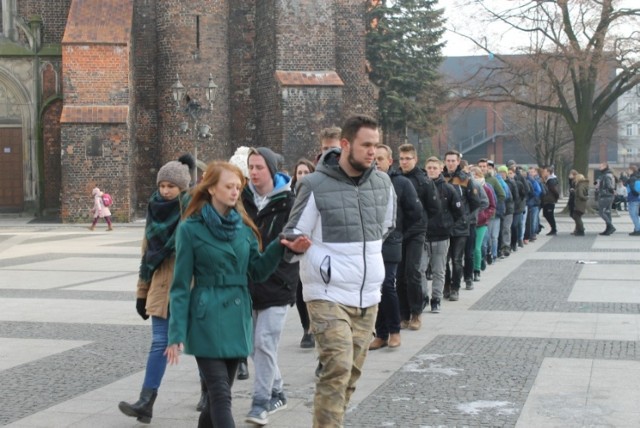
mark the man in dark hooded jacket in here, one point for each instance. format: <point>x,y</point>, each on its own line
<point>408,212</point>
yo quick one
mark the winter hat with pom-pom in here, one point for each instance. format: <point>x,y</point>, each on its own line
<point>239,159</point>
<point>177,172</point>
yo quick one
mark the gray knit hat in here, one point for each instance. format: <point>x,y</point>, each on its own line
<point>177,172</point>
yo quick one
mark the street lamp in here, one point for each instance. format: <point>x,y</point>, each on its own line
<point>188,104</point>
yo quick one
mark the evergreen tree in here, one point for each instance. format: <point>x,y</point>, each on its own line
<point>404,52</point>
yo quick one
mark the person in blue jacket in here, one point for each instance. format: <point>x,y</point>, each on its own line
<point>633,198</point>
<point>218,250</point>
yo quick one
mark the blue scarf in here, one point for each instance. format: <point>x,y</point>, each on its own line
<point>222,228</point>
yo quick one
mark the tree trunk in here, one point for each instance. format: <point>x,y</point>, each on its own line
<point>581,149</point>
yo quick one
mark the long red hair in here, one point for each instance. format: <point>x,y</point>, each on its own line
<point>200,194</point>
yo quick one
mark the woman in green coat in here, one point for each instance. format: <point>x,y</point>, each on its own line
<point>218,247</point>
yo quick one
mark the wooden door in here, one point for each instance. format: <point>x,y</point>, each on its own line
<point>11,177</point>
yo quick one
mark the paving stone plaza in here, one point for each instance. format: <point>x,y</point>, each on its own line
<point>550,337</point>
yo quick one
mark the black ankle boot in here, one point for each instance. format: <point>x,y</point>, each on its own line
<point>143,408</point>
<point>204,397</point>
<point>243,370</point>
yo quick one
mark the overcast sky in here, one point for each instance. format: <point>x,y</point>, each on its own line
<point>499,38</point>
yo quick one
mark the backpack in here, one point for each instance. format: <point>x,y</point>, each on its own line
<point>107,200</point>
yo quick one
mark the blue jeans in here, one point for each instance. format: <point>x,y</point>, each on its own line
<point>156,361</point>
<point>534,220</point>
<point>388,320</point>
<point>523,223</point>
<point>604,209</point>
<point>493,232</point>
<point>635,216</point>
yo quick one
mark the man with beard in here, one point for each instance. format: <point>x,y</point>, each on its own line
<point>347,208</point>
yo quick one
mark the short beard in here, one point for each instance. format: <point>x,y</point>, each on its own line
<point>357,166</point>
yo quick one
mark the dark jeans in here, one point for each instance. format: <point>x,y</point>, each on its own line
<point>410,294</point>
<point>388,320</point>
<point>218,375</point>
<point>302,308</point>
<point>547,212</point>
<point>516,229</point>
<point>469,249</point>
<point>456,253</point>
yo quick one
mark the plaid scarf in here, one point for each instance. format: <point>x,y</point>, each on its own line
<point>163,217</point>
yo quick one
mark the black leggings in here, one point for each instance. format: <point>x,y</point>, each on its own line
<point>302,308</point>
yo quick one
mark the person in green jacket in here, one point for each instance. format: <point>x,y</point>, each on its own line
<point>218,248</point>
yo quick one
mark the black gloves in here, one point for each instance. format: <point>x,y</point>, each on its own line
<point>140,307</point>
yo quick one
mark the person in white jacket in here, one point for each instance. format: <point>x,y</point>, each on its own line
<point>347,208</point>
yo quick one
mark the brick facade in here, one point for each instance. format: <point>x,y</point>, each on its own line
<point>119,122</point>
<point>51,156</point>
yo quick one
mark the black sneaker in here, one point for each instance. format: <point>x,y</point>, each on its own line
<point>435,306</point>
<point>307,341</point>
<point>552,233</point>
<point>635,233</point>
<point>243,370</point>
<point>453,297</point>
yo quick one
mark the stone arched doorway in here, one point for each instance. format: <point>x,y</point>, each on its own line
<point>15,151</point>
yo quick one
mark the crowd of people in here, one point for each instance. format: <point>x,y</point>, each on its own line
<point>362,246</point>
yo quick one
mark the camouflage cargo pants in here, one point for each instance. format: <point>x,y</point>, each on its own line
<point>342,334</point>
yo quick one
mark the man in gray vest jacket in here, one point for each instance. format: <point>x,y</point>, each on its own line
<point>347,208</point>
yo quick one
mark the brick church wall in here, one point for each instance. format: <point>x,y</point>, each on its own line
<point>242,72</point>
<point>52,145</point>
<point>267,100</point>
<point>96,137</point>
<point>146,152</point>
<point>177,44</point>
<point>95,155</point>
<point>359,93</point>
<point>53,14</point>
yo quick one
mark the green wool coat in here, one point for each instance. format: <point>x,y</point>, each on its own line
<point>213,318</point>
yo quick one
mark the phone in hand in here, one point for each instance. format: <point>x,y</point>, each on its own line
<point>290,236</point>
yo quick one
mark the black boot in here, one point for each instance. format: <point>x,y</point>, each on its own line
<point>143,408</point>
<point>204,397</point>
<point>476,275</point>
<point>243,370</point>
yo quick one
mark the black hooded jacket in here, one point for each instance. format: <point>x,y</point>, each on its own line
<point>428,196</point>
<point>280,288</point>
<point>451,211</point>
<point>468,197</point>
<point>409,211</point>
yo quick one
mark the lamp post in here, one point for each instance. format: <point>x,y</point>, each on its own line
<point>188,104</point>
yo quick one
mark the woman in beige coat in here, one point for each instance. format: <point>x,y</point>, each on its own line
<point>164,211</point>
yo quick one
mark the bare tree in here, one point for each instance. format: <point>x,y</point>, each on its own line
<point>585,52</point>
